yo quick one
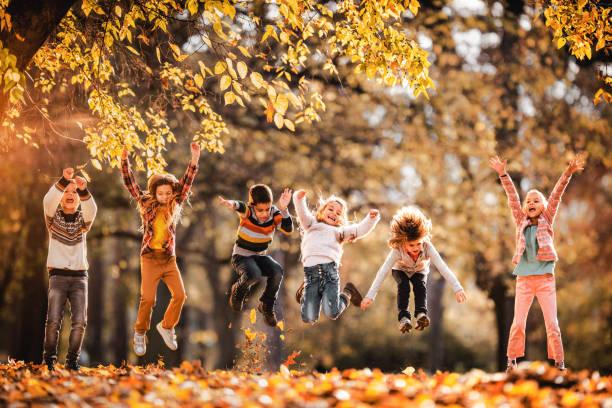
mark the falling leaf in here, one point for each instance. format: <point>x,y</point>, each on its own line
<point>253,316</point>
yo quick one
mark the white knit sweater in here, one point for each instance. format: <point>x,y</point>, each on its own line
<point>322,242</point>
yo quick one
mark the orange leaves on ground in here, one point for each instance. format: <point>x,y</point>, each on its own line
<point>532,384</point>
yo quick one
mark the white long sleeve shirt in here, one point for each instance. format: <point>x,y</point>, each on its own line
<point>401,260</point>
<point>321,242</point>
<point>68,232</point>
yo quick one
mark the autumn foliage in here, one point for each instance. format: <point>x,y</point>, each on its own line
<point>533,384</point>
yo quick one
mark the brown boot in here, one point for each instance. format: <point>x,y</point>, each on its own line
<point>267,310</point>
<point>353,294</point>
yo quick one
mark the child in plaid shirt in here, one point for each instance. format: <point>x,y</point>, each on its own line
<point>160,208</point>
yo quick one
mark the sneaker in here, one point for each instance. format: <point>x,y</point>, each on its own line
<point>560,365</point>
<point>238,296</point>
<point>511,365</point>
<point>300,293</point>
<point>422,321</point>
<point>353,294</point>
<point>168,335</point>
<point>267,310</point>
<point>73,365</point>
<point>50,364</point>
<point>405,325</point>
<point>140,344</point>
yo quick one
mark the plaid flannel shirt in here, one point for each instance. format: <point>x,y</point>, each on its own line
<point>148,212</point>
<point>544,232</point>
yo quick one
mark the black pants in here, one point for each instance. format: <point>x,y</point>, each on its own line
<point>419,282</point>
<point>253,269</point>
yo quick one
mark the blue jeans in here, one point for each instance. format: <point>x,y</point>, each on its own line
<point>322,285</point>
<point>73,290</point>
<point>256,268</point>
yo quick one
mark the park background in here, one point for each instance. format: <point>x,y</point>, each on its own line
<point>502,85</point>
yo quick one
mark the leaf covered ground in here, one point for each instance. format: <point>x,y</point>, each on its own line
<point>533,384</point>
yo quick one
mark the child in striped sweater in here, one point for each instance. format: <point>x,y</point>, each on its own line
<point>409,260</point>
<point>324,234</point>
<point>160,208</point>
<point>259,219</point>
<point>69,213</point>
<point>535,258</point>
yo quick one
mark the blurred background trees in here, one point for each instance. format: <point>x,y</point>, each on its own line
<point>501,86</point>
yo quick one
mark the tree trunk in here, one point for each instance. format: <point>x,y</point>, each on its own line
<point>95,311</point>
<point>504,312</point>
<point>435,309</point>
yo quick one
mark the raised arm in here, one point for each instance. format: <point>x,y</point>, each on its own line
<point>192,169</point>
<point>357,231</point>
<point>286,224</point>
<point>382,273</point>
<point>54,196</point>
<point>514,202</point>
<point>235,205</point>
<point>304,215</point>
<point>555,197</point>
<point>88,204</point>
<point>127,175</point>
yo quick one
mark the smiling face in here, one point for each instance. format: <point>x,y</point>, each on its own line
<point>534,204</point>
<point>70,199</point>
<point>163,194</point>
<point>415,247</point>
<point>332,214</point>
<point>262,211</point>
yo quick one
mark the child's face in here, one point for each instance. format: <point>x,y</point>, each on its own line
<point>414,247</point>
<point>70,199</point>
<point>262,211</point>
<point>534,205</point>
<point>163,194</point>
<point>333,213</point>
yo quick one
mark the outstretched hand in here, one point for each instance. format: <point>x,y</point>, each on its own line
<point>284,200</point>
<point>195,153</point>
<point>365,303</point>
<point>460,296</point>
<point>226,203</point>
<point>577,163</point>
<point>68,173</point>
<point>373,213</point>
<point>498,165</point>
<point>80,182</point>
<point>300,194</point>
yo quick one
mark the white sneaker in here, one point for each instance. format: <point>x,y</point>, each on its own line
<point>168,335</point>
<point>140,344</point>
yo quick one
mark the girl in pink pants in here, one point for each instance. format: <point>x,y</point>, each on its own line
<point>535,259</point>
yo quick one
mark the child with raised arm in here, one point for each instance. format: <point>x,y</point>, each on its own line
<point>69,213</point>
<point>534,260</point>
<point>323,236</point>
<point>411,255</point>
<point>259,219</point>
<point>160,208</point>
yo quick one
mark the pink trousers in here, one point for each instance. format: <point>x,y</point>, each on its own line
<point>543,288</point>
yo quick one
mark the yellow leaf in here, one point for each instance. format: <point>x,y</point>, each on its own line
<point>242,69</point>
<point>587,51</point>
<point>158,54</point>
<point>175,49</point>
<point>132,50</point>
<point>281,325</point>
<point>250,335</point>
<point>257,80</point>
<point>289,125</point>
<point>408,370</point>
<point>253,316</point>
<point>230,98</point>
<point>192,6</point>
<point>279,120</point>
<point>219,67</point>
<point>560,42</point>
<point>199,80</point>
<point>281,104</point>
<point>118,11</point>
<point>96,164</point>
<point>226,81</point>
<point>244,51</point>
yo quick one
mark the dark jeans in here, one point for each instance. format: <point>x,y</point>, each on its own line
<point>252,269</point>
<point>322,285</point>
<point>73,289</point>
<point>419,282</point>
